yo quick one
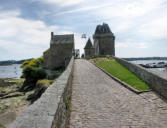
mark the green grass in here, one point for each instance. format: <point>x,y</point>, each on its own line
<point>122,73</point>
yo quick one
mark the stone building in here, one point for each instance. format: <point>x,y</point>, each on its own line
<point>104,40</point>
<point>89,49</point>
<point>60,51</point>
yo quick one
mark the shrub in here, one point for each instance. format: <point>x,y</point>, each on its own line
<point>33,72</point>
<point>38,62</point>
<point>24,63</point>
<point>31,75</point>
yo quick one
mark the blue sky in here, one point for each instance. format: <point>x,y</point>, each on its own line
<point>140,26</point>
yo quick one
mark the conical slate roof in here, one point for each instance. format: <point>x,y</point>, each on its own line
<point>88,44</point>
<point>102,29</point>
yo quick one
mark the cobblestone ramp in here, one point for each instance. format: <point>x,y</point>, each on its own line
<point>100,102</point>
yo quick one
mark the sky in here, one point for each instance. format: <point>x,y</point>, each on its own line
<point>140,26</point>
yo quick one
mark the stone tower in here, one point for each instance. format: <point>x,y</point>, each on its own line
<point>104,40</point>
<point>61,47</point>
<point>89,49</point>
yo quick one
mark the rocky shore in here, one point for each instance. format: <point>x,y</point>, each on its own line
<point>13,102</point>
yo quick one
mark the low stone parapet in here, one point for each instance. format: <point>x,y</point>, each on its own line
<point>156,82</point>
<point>52,109</point>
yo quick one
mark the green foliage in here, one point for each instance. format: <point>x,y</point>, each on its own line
<point>122,73</point>
<point>33,72</point>
<point>67,103</point>
<point>24,63</point>
<point>38,62</point>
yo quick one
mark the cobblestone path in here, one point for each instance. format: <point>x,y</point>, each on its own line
<point>100,102</point>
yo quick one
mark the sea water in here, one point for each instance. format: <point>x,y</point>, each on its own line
<point>10,71</point>
<point>147,61</point>
<point>162,72</point>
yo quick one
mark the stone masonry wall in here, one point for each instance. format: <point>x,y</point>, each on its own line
<point>104,44</point>
<point>52,109</point>
<point>156,82</point>
<point>89,53</point>
<point>58,54</point>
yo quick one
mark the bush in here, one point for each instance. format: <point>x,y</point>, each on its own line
<point>38,62</point>
<point>24,63</point>
<point>33,72</point>
<point>31,75</point>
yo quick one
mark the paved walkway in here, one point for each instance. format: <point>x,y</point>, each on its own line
<point>100,102</point>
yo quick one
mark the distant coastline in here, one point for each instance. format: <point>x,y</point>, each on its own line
<point>10,62</point>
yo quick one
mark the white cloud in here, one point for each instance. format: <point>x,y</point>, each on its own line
<point>156,28</point>
<point>85,8</point>
<point>131,48</point>
<point>6,14</point>
<point>125,17</point>
<point>62,2</point>
<point>128,45</point>
<point>130,9</point>
<point>121,26</point>
<point>125,10</point>
<point>122,15</point>
<point>25,38</point>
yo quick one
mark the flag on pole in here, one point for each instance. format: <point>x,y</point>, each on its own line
<point>83,35</point>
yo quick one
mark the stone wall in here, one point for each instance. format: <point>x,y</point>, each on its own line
<point>46,58</point>
<point>58,54</point>
<point>104,44</point>
<point>156,82</point>
<point>89,53</point>
<point>61,47</point>
<point>52,109</point>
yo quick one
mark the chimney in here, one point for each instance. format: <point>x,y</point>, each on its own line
<point>52,33</point>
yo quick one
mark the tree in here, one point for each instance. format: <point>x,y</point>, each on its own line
<point>31,75</point>
<point>32,72</point>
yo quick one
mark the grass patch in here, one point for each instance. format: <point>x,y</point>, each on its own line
<point>122,73</point>
<point>18,81</point>
<point>45,82</point>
